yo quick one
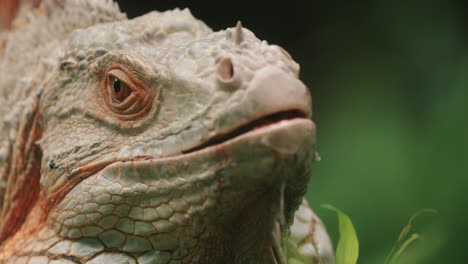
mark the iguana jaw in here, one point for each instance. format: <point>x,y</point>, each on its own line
<point>228,178</point>
<point>210,147</point>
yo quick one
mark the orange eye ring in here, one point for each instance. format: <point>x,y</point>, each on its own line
<point>126,99</point>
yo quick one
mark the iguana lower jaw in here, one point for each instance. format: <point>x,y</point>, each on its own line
<point>225,198</point>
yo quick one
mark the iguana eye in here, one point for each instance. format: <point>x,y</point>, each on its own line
<point>118,89</point>
<point>126,95</point>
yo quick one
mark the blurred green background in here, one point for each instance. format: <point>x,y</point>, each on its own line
<point>389,81</point>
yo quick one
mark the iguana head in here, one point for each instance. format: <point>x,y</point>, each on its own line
<point>160,135</point>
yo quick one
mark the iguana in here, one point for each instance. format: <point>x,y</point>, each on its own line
<point>151,140</point>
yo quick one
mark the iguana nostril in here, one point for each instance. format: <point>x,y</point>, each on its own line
<point>225,70</point>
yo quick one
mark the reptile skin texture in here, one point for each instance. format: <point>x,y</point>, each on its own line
<point>151,140</point>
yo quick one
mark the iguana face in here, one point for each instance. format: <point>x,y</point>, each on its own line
<point>162,138</point>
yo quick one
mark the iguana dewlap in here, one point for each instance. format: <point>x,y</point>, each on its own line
<point>151,140</point>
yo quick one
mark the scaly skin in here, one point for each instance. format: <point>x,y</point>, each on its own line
<point>152,140</point>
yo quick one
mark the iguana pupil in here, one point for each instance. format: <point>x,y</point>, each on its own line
<point>116,85</point>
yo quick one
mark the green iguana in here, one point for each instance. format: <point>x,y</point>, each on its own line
<point>151,140</point>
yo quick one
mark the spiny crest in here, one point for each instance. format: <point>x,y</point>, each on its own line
<point>238,36</point>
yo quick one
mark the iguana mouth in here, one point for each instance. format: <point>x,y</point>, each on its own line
<point>80,173</point>
<point>252,125</point>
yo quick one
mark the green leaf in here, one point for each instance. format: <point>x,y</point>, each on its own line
<point>347,251</point>
<point>405,244</point>
<point>392,256</point>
